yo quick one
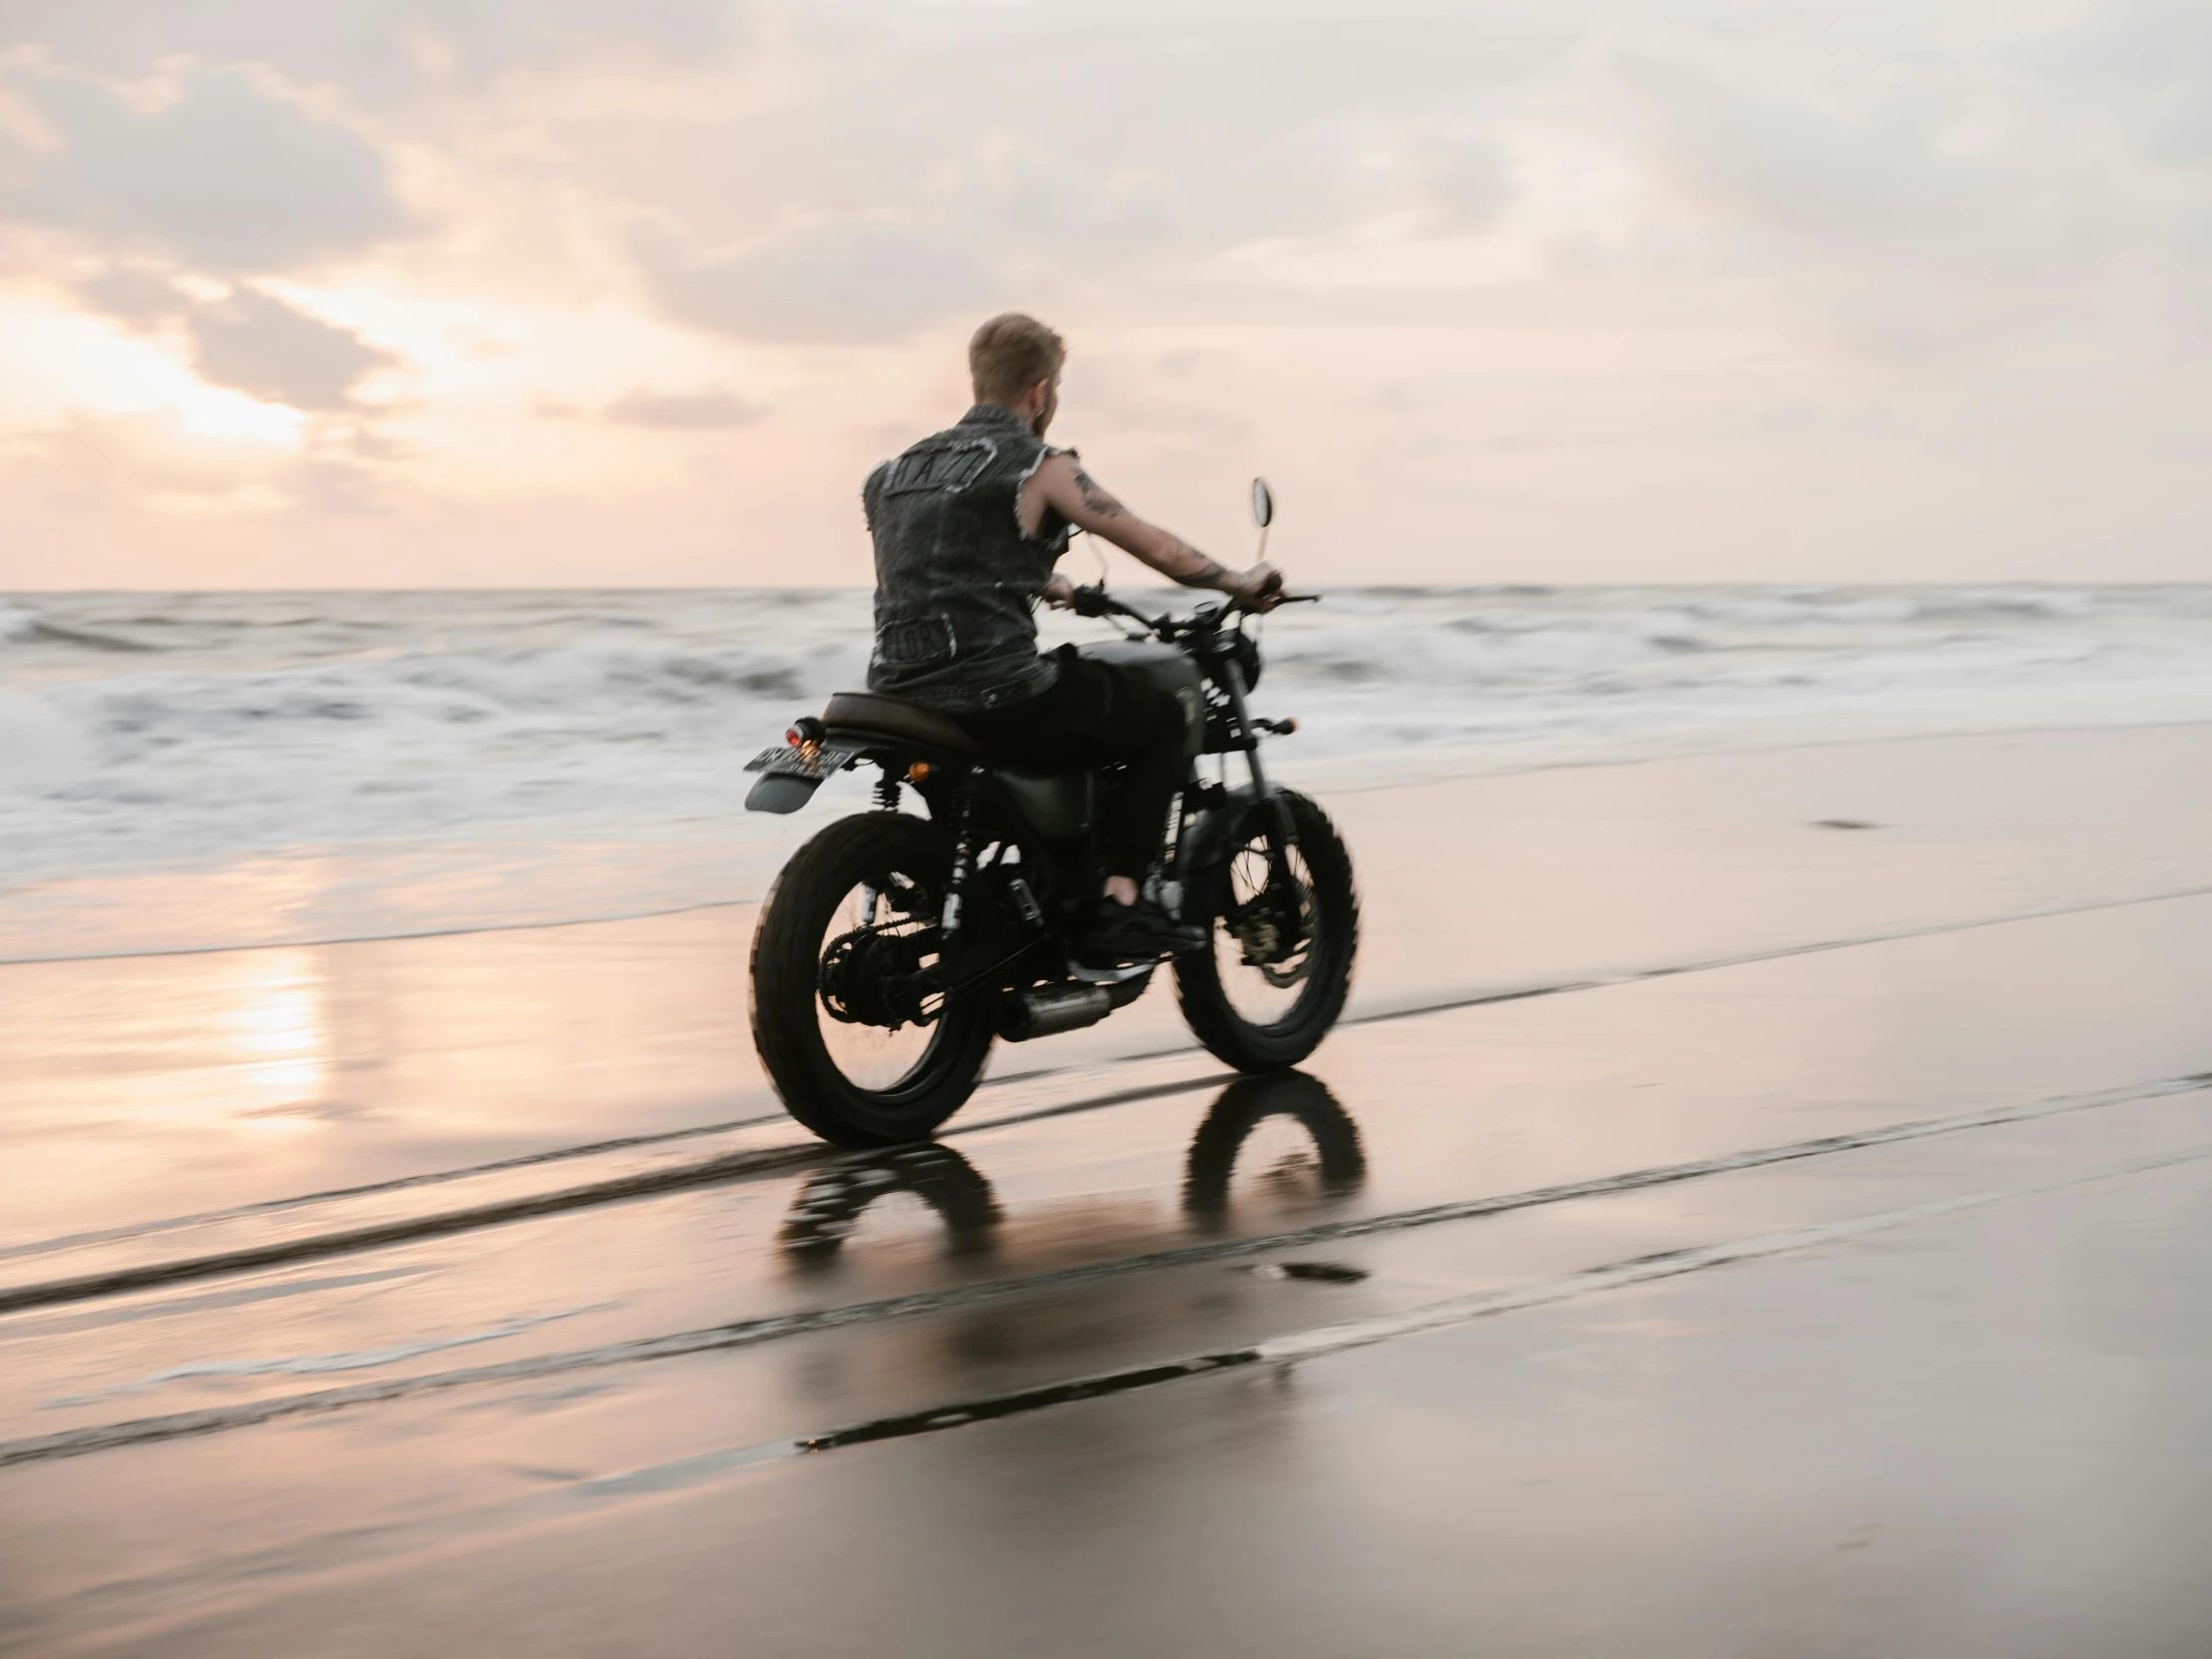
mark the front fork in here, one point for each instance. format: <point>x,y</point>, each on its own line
<point>1286,829</point>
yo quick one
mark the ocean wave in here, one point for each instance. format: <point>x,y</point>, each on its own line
<point>90,641</point>
<point>222,726</point>
<point>1848,607</point>
<point>41,749</point>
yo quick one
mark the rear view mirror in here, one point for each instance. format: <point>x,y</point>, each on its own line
<point>1263,503</point>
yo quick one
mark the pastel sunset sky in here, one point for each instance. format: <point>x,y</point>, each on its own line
<point>487,293</point>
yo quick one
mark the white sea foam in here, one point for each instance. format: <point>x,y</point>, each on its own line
<point>40,749</point>
<point>191,732</point>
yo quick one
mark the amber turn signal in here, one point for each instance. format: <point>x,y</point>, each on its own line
<point>919,773</point>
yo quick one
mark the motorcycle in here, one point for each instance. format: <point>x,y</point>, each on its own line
<point>894,949</point>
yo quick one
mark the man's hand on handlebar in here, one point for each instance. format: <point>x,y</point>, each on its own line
<point>1256,589</point>
<point>1091,600</point>
<point>1059,592</point>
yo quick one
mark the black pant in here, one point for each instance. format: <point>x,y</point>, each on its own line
<point>1096,715</point>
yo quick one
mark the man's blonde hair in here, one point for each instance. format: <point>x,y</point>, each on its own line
<point>1011,353</point>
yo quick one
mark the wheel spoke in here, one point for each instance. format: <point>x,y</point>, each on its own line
<point>1265,943</point>
<point>873,1057</point>
<point>856,1055</point>
<point>1285,929</point>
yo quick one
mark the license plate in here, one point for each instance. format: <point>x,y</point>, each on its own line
<point>815,760</point>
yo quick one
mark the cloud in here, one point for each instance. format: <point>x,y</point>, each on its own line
<point>119,461</point>
<point>380,51</point>
<point>1509,212</point>
<point>227,174</point>
<point>849,280</point>
<point>263,347</point>
<point>98,467</point>
<point>1878,169</point>
<point>1464,177</point>
<point>334,488</point>
<point>709,410</point>
<point>2147,64</point>
<point>1909,206</point>
<point>142,297</point>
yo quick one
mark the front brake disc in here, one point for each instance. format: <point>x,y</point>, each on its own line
<point>1273,937</point>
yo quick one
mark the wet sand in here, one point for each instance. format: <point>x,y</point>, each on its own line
<point>1813,1264</point>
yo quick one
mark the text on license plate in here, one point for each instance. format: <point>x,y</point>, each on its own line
<point>817,760</point>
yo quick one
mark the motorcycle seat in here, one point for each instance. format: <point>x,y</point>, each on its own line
<point>896,718</point>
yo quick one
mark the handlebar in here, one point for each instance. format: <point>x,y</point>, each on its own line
<point>1093,600</point>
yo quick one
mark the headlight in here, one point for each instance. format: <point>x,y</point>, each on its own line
<point>1248,659</point>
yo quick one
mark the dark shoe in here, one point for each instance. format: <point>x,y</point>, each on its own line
<point>1138,933</point>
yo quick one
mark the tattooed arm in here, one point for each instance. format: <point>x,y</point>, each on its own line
<point>1061,483</point>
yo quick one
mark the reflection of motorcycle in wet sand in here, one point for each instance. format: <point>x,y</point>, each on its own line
<point>829,1203</point>
<point>1227,1130</point>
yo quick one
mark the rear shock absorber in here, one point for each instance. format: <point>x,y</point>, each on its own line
<point>964,865</point>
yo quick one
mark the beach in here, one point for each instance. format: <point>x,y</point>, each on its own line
<point>1754,1203</point>
<point>1623,590</point>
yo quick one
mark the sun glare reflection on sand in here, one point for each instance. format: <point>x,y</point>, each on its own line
<point>274,1025</point>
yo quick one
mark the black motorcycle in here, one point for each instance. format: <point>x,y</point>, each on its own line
<point>892,949</point>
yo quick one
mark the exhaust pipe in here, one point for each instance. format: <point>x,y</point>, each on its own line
<point>1056,1008</point>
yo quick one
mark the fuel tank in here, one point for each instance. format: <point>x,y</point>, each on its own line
<point>1169,669</point>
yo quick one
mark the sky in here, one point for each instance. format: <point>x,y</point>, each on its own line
<point>624,293</point>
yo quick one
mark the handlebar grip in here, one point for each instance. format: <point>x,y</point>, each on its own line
<point>1089,600</point>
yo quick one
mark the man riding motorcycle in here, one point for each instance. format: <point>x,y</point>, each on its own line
<point>968,525</point>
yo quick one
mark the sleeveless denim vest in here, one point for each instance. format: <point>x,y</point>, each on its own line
<point>957,581</point>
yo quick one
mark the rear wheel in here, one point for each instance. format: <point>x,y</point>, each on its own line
<point>854,914</point>
<point>1273,979</point>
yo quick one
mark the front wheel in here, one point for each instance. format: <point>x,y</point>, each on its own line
<point>848,922</point>
<point>1286,925</point>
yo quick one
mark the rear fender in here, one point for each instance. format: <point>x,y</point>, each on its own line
<point>772,794</point>
<point>780,795</point>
